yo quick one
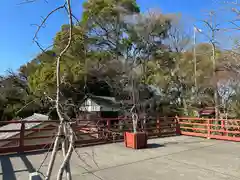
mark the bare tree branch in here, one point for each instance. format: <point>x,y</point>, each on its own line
<point>30,1</point>
<point>27,2</point>
<point>46,18</point>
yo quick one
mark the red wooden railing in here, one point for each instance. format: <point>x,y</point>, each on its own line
<point>96,131</point>
<point>222,129</point>
<point>100,131</point>
<point>14,139</point>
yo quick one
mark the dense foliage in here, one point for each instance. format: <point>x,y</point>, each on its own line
<point>115,47</point>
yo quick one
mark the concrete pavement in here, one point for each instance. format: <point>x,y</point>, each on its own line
<point>181,157</point>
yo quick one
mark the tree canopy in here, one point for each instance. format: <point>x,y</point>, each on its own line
<point>114,44</point>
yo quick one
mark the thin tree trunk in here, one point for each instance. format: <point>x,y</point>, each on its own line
<point>65,145</point>
<point>60,129</point>
<point>133,110</point>
<point>215,82</point>
<point>68,155</point>
<point>54,153</point>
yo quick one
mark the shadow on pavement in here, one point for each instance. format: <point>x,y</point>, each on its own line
<point>27,163</point>
<point>8,171</point>
<point>154,145</point>
<point>182,142</point>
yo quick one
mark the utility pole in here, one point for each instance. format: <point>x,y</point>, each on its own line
<point>195,29</point>
<point>195,58</point>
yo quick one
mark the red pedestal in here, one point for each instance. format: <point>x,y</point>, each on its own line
<point>135,140</point>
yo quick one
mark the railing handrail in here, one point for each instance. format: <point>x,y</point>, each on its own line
<point>28,121</point>
<point>194,126</point>
<point>222,129</point>
<point>205,119</point>
<point>110,128</point>
<point>92,119</point>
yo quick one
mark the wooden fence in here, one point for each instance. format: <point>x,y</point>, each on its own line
<point>221,129</point>
<point>96,131</point>
<point>102,131</point>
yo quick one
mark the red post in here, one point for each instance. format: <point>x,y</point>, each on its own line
<point>21,141</point>
<point>178,129</point>
<point>223,127</point>
<point>208,129</point>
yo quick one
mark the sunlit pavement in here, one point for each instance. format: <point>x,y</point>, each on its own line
<point>180,158</point>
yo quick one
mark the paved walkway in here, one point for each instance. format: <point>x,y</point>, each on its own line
<point>180,158</point>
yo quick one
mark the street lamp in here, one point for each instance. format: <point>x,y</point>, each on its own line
<point>195,29</point>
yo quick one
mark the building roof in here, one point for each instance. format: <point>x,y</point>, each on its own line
<point>17,126</point>
<point>102,101</point>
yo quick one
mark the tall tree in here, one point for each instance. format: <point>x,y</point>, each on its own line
<point>106,23</point>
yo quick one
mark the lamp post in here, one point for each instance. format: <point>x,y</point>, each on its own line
<point>195,29</point>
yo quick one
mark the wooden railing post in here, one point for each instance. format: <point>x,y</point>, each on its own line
<point>208,129</point>
<point>178,129</point>
<point>21,141</point>
<point>223,127</point>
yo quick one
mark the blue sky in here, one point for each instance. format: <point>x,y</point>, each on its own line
<point>17,29</point>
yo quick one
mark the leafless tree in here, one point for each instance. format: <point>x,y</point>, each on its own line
<point>65,134</point>
<point>213,27</point>
<point>64,126</point>
<point>178,38</point>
